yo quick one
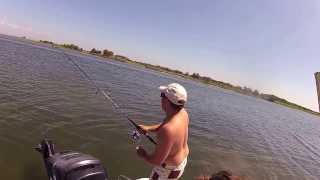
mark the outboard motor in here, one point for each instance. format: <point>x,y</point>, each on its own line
<point>70,165</point>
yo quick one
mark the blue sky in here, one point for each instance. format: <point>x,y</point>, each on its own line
<point>270,45</point>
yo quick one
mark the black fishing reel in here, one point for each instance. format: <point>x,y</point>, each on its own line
<point>70,165</point>
<point>135,136</point>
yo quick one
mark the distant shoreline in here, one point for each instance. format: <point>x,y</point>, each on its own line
<point>107,55</point>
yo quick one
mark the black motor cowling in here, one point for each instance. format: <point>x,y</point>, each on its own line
<point>70,165</point>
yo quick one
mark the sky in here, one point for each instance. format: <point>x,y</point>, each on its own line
<point>269,45</point>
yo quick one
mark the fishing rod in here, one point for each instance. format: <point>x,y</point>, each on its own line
<point>135,135</point>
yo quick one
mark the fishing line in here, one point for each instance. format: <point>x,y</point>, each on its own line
<point>107,96</point>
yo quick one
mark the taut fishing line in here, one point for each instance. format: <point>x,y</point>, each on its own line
<point>135,135</point>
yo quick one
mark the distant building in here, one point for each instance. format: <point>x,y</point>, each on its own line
<point>317,76</point>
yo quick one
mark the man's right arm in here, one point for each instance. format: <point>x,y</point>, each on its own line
<point>150,128</point>
<point>162,149</point>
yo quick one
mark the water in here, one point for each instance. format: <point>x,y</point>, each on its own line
<point>44,95</point>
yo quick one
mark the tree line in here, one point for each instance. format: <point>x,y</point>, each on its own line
<point>196,76</point>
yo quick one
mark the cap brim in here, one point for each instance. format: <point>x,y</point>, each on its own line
<point>163,88</point>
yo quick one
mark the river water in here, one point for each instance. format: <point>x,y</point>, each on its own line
<point>44,95</point>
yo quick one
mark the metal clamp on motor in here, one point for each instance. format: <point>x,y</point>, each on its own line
<point>70,165</point>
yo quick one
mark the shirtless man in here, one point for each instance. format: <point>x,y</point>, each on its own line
<point>170,155</point>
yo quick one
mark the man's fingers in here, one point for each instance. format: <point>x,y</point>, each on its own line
<point>140,151</point>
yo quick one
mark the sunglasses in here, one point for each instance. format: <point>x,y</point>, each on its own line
<point>162,95</point>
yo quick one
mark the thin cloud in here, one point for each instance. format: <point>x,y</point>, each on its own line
<point>4,22</point>
<point>8,27</point>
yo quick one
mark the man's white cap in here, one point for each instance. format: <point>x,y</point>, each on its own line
<point>176,93</point>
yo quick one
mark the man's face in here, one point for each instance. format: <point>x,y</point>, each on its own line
<point>164,101</point>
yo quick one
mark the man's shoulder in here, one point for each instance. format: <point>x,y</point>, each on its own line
<point>181,116</point>
<point>166,129</point>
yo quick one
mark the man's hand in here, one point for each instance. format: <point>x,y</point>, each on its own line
<point>141,152</point>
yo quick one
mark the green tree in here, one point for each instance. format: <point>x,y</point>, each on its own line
<point>45,41</point>
<point>95,51</point>
<point>196,75</point>
<point>107,53</point>
<point>71,46</point>
<point>256,93</point>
